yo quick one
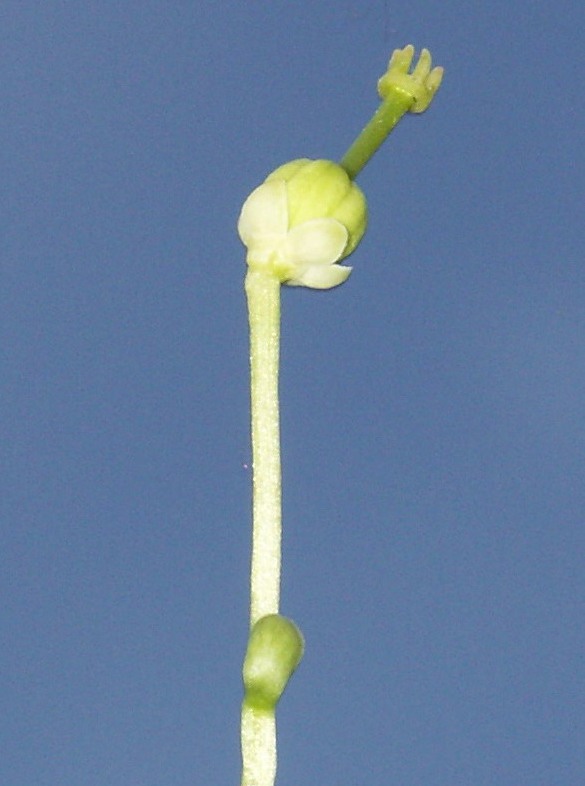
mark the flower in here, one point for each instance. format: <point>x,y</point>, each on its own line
<point>304,218</point>
<point>420,85</point>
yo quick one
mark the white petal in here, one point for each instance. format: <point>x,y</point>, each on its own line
<point>321,276</point>
<point>264,212</point>
<point>320,241</point>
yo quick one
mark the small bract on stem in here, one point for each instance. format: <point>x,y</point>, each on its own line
<point>298,226</point>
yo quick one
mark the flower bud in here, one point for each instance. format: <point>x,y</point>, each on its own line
<point>304,218</point>
<point>275,649</point>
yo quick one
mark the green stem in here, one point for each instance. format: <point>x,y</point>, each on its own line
<point>258,728</point>
<point>385,118</point>
<point>258,747</point>
<point>263,293</point>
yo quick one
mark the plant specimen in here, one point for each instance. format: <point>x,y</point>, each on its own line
<point>298,226</point>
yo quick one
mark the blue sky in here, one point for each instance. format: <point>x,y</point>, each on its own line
<point>433,407</point>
